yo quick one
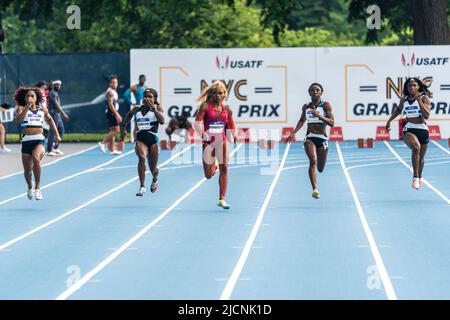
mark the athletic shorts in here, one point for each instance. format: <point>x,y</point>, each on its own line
<point>112,121</point>
<point>422,135</point>
<point>147,138</point>
<point>28,146</point>
<point>320,141</point>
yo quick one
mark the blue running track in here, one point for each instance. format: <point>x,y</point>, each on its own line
<point>369,236</point>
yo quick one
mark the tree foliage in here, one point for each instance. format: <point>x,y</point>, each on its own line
<point>40,25</point>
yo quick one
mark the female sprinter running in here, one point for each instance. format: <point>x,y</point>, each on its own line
<point>148,117</point>
<point>415,104</point>
<point>30,115</point>
<point>318,114</point>
<point>213,121</point>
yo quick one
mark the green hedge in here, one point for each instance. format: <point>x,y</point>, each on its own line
<point>69,137</point>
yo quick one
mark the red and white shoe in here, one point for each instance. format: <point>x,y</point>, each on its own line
<point>154,186</point>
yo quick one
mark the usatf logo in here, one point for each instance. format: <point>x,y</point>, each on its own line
<point>238,64</point>
<point>426,61</point>
<point>224,66</point>
<point>404,60</point>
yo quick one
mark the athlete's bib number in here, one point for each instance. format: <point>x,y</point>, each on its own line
<point>35,120</point>
<point>216,127</point>
<point>144,124</point>
<point>412,112</point>
<point>311,118</point>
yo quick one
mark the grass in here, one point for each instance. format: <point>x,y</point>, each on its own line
<point>69,137</point>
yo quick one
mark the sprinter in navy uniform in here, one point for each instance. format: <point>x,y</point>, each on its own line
<point>148,117</point>
<point>30,115</point>
<point>415,105</point>
<point>318,114</point>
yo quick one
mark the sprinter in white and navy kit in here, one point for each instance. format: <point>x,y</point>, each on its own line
<point>317,114</point>
<point>148,117</point>
<point>415,105</point>
<point>30,115</point>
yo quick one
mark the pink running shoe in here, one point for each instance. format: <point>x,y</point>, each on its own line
<point>154,186</point>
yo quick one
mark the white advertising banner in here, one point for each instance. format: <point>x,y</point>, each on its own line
<point>267,87</point>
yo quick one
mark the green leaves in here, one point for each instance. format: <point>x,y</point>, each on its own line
<point>40,25</point>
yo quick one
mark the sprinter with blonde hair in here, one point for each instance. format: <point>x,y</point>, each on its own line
<point>214,123</point>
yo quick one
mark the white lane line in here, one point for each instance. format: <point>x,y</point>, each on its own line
<point>388,288</point>
<point>53,162</point>
<point>42,226</point>
<point>429,185</point>
<point>135,165</point>
<point>435,163</point>
<point>75,287</point>
<point>440,147</point>
<point>306,165</point>
<point>371,164</point>
<point>231,283</point>
<point>115,168</point>
<point>69,177</point>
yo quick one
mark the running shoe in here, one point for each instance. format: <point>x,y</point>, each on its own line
<point>59,152</point>
<point>316,194</point>
<point>52,153</point>
<point>38,194</point>
<point>30,194</point>
<point>416,183</point>
<point>154,186</point>
<point>421,182</point>
<point>102,147</point>
<point>115,152</point>
<point>141,192</point>
<point>222,203</point>
<point>5,150</point>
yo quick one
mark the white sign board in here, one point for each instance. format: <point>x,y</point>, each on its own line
<point>267,87</point>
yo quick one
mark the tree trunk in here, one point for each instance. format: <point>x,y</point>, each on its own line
<point>430,22</point>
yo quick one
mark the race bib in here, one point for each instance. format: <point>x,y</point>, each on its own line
<point>143,124</point>
<point>216,127</point>
<point>411,111</point>
<point>35,120</point>
<point>311,118</point>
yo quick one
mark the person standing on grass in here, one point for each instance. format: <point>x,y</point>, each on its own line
<point>112,115</point>
<point>58,114</point>
<point>138,92</point>
<point>43,87</point>
<point>3,148</point>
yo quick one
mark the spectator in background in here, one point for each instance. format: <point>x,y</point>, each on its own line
<point>138,92</point>
<point>56,112</point>
<point>112,115</point>
<point>177,123</point>
<point>3,149</point>
<point>42,86</point>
